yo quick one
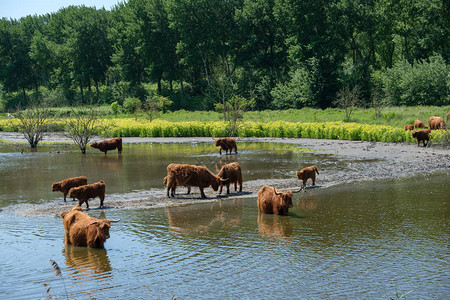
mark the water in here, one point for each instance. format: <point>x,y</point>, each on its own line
<point>359,240</point>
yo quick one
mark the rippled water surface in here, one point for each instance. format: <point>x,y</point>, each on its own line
<point>361,240</point>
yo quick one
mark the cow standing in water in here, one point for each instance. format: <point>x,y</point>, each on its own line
<point>272,201</point>
<point>226,143</point>
<point>107,145</point>
<point>306,173</point>
<point>82,230</point>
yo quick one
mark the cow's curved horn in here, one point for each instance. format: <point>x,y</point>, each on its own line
<point>114,221</point>
<point>298,190</point>
<point>275,191</point>
<point>223,180</point>
<point>95,222</point>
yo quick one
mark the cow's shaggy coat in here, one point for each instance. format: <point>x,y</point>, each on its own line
<point>422,136</point>
<point>82,230</point>
<point>272,201</point>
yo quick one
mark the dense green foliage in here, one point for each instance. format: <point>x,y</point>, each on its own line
<point>196,53</point>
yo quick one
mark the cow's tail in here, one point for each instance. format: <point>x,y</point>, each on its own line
<point>317,171</point>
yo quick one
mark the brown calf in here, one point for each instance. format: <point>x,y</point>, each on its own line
<point>306,173</point>
<point>65,185</point>
<point>90,191</point>
<point>409,127</point>
<point>422,136</point>
<point>419,124</point>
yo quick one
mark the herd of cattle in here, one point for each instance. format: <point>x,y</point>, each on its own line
<point>82,230</point>
<point>423,135</point>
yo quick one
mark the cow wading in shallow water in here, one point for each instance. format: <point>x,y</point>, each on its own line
<point>191,175</point>
<point>226,143</point>
<point>272,201</point>
<point>82,230</point>
<point>107,145</point>
<point>65,185</point>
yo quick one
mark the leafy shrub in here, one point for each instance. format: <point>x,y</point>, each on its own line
<point>296,93</point>
<point>131,105</point>
<point>115,107</point>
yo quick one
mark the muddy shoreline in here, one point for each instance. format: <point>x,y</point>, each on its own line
<point>370,161</point>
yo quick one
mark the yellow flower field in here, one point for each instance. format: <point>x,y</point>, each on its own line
<point>129,127</point>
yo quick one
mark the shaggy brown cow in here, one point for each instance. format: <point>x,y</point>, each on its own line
<point>82,230</point>
<point>233,172</point>
<point>90,191</point>
<point>306,173</point>
<point>422,135</point>
<point>226,143</point>
<point>65,185</point>
<point>107,145</point>
<point>190,175</point>
<point>409,127</point>
<point>272,201</point>
<point>437,123</point>
<point>419,124</point>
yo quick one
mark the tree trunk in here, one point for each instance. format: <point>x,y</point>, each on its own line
<point>97,91</point>
<point>90,91</point>
<point>81,91</point>
<point>159,86</point>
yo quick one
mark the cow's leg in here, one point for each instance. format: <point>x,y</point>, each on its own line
<point>202,193</point>
<point>240,186</point>
<point>65,195</point>
<point>314,179</point>
<point>220,151</point>
<point>228,186</point>
<point>87,203</point>
<point>189,190</point>
<point>102,198</point>
<point>220,189</point>
<point>168,189</point>
<point>235,186</point>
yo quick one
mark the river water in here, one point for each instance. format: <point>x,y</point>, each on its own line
<point>370,239</point>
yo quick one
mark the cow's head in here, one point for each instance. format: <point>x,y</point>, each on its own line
<point>414,133</point>
<point>218,182</point>
<point>56,187</point>
<point>218,142</point>
<point>300,174</point>
<point>73,192</point>
<point>102,227</point>
<point>94,145</point>
<point>286,197</point>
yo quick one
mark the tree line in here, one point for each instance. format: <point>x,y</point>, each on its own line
<point>199,53</point>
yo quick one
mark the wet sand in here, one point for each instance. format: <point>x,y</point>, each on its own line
<point>370,161</point>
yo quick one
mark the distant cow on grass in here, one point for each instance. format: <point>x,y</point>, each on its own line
<point>190,175</point>
<point>90,191</point>
<point>448,117</point>
<point>82,230</point>
<point>419,124</point>
<point>409,127</point>
<point>272,201</point>
<point>306,173</point>
<point>233,172</point>
<point>422,136</point>
<point>226,143</point>
<point>436,123</point>
<point>107,145</point>
<point>65,185</point>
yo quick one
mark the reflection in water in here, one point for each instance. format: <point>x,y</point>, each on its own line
<point>274,226</point>
<point>308,202</point>
<point>223,160</point>
<point>110,163</point>
<point>189,219</point>
<point>82,262</point>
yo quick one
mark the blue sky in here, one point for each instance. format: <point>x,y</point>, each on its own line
<point>20,8</point>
